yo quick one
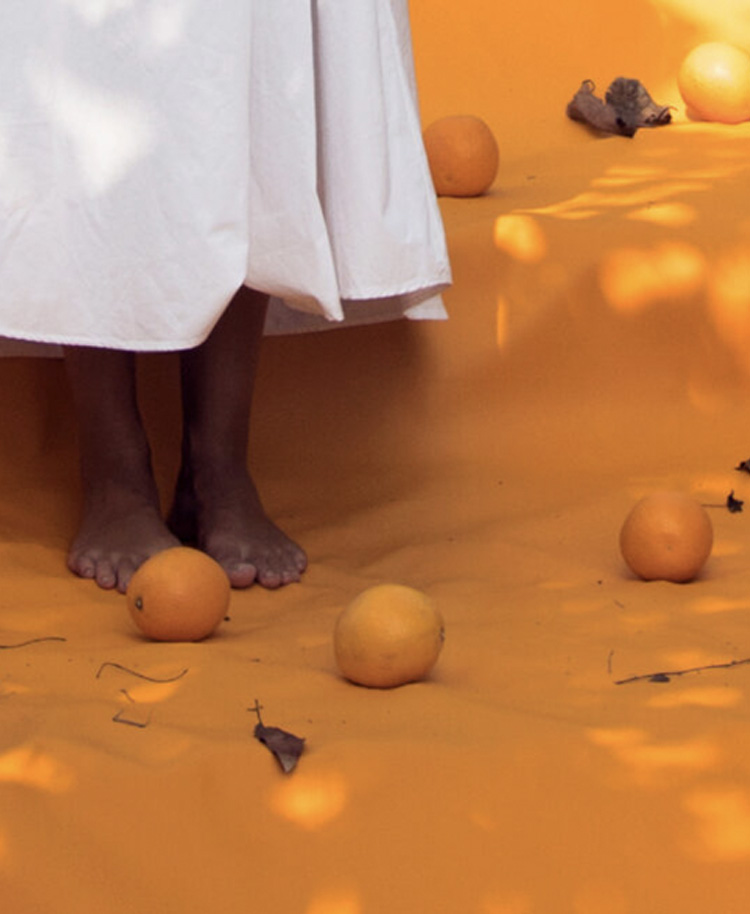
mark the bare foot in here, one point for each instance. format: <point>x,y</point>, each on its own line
<point>121,525</point>
<point>224,517</point>
<point>118,532</point>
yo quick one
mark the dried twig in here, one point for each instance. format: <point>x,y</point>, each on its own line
<point>124,669</point>
<point>7,647</point>
<point>141,724</point>
<point>665,675</point>
<point>120,718</point>
<point>732,504</point>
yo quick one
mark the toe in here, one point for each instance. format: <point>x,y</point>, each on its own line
<point>105,574</point>
<point>125,571</point>
<point>292,577</point>
<point>83,566</point>
<point>271,580</point>
<point>279,572</point>
<point>241,574</point>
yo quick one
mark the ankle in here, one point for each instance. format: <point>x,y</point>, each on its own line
<point>207,464</point>
<point>125,471</point>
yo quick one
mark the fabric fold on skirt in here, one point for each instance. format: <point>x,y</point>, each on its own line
<point>153,159</point>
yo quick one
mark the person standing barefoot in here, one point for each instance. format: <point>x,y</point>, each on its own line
<point>186,180</point>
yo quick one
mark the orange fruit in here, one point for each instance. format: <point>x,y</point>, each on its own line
<point>667,536</point>
<point>714,81</point>
<point>179,594</point>
<point>463,155</point>
<point>389,635</point>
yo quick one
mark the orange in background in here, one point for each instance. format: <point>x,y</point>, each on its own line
<point>714,81</point>
<point>463,155</point>
<point>388,636</point>
<point>667,536</point>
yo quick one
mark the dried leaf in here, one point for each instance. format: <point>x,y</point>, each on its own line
<point>589,109</point>
<point>734,504</point>
<point>634,105</point>
<point>286,747</point>
<point>626,107</point>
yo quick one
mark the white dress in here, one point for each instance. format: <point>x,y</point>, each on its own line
<point>157,154</point>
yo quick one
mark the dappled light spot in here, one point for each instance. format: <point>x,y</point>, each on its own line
<point>710,174</point>
<point>613,181</point>
<point>633,279</point>
<point>722,19</point>
<point>643,620</point>
<point>167,22</point>
<point>707,697</point>
<point>708,606</point>
<point>723,823</point>
<point>614,737</point>
<point>672,215</point>
<point>698,755</point>
<point>336,901</point>
<point>633,749</point>
<point>163,20</point>
<point>620,197</point>
<point>636,172</point>
<point>13,688</point>
<point>109,133</point>
<point>31,767</point>
<point>520,237</point>
<point>729,299</point>
<point>310,800</point>
<point>94,12</point>
<point>689,659</point>
<point>628,175</point>
<point>581,206</point>
<point>667,190</point>
<point>152,692</point>
<point>578,215</point>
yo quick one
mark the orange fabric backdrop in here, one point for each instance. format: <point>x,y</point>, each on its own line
<point>597,349</point>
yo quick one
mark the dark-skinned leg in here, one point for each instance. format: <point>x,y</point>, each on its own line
<point>216,505</point>
<point>121,524</point>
